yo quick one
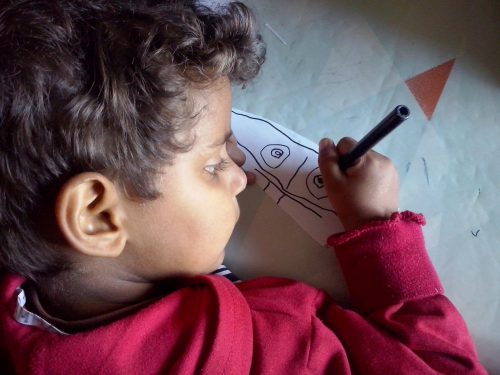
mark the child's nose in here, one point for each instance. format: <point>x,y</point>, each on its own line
<point>239,181</point>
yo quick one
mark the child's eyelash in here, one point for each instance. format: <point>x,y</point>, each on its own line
<point>219,167</point>
<point>222,165</point>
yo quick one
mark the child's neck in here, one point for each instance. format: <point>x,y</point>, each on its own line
<point>92,293</point>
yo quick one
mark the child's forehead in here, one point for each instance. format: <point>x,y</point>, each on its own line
<point>213,108</point>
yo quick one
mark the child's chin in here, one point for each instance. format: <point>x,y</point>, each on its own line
<point>221,257</point>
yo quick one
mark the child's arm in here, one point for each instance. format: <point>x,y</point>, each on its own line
<point>391,279</point>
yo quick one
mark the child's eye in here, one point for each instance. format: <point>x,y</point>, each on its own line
<point>213,169</point>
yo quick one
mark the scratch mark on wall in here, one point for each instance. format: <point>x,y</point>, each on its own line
<point>426,170</point>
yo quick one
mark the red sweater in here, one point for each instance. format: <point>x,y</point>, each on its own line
<point>400,322</point>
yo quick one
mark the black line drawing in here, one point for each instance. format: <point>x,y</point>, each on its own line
<point>286,165</point>
<point>286,169</point>
<point>295,174</point>
<point>284,195</point>
<point>274,155</point>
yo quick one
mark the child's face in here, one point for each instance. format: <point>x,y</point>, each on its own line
<point>184,232</point>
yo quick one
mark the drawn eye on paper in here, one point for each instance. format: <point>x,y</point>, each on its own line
<point>274,155</point>
<point>315,184</point>
<point>286,165</point>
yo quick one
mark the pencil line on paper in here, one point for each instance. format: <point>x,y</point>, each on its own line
<point>276,34</point>
<point>295,174</point>
<point>290,196</point>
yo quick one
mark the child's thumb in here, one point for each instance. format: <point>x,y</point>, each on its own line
<point>328,158</point>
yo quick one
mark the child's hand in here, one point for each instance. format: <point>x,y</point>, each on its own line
<point>366,191</point>
<point>239,158</point>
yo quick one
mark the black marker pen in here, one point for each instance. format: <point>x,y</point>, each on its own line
<point>384,127</point>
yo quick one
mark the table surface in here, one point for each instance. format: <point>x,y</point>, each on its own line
<point>334,68</point>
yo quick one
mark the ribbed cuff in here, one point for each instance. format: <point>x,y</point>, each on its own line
<point>385,262</point>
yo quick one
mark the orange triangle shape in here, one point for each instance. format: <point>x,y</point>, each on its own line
<point>428,86</point>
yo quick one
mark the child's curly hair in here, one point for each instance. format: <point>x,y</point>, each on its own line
<point>101,85</point>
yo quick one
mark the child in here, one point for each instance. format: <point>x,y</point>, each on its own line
<point>118,195</point>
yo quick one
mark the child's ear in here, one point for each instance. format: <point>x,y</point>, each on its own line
<point>90,216</point>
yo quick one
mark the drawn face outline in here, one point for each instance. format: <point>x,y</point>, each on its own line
<point>274,155</point>
<point>269,167</point>
<point>315,184</point>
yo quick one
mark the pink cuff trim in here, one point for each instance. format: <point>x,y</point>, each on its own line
<point>385,262</point>
<point>396,217</point>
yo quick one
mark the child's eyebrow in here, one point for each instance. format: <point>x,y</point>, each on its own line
<point>222,141</point>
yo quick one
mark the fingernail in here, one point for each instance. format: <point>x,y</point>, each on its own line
<point>324,144</point>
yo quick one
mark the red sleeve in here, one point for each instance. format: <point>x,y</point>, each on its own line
<point>394,285</point>
<point>386,262</point>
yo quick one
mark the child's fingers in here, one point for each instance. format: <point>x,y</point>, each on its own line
<point>251,178</point>
<point>344,146</point>
<point>239,158</point>
<point>328,159</point>
<point>234,151</point>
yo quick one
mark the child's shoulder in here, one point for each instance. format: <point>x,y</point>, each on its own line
<point>281,295</point>
<point>264,294</point>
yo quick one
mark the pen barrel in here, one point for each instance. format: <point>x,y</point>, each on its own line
<point>384,127</point>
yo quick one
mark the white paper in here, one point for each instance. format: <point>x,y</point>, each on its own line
<point>286,166</point>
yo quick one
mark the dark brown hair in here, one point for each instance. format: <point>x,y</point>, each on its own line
<point>101,85</point>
